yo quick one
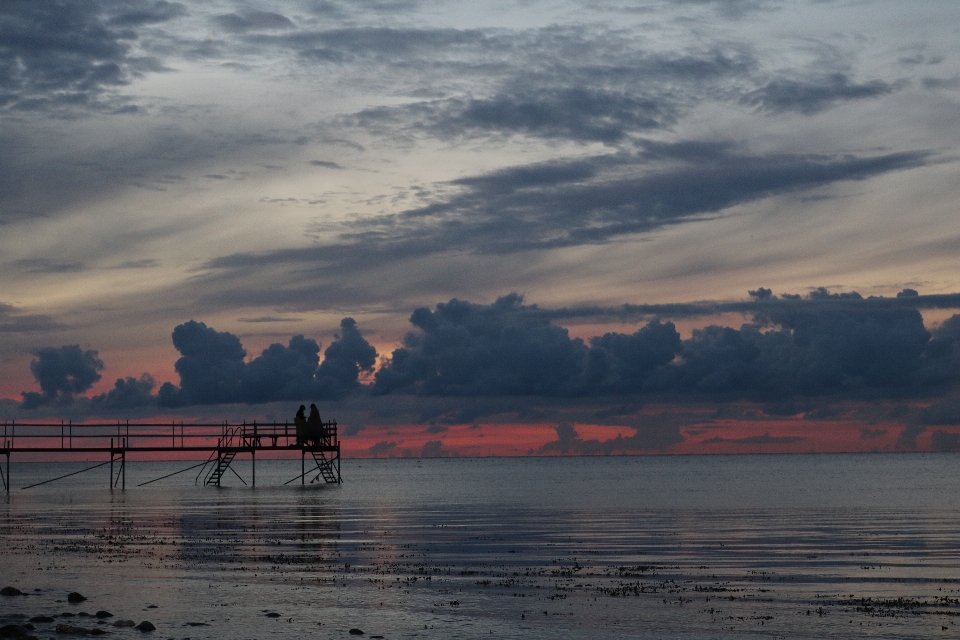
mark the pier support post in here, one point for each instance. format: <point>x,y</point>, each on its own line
<point>6,478</point>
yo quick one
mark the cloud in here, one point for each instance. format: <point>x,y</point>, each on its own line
<point>646,438</point>
<point>141,13</point>
<point>595,200</point>
<point>941,83</point>
<point>433,449</point>
<point>62,373</point>
<point>467,349</point>
<point>66,55</point>
<point>908,437</point>
<point>826,343</point>
<point>127,393</point>
<point>13,320</point>
<point>383,448</point>
<point>813,96</point>
<point>945,441</point>
<point>764,439</point>
<point>263,319</point>
<point>574,113</point>
<point>212,368</point>
<point>282,373</point>
<point>344,359</point>
<point>253,21</point>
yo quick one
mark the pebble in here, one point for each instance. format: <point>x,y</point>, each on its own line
<point>10,591</point>
<point>41,619</point>
<point>103,614</point>
<point>16,631</point>
<point>73,596</point>
<point>146,625</point>
<point>356,632</point>
<point>69,628</point>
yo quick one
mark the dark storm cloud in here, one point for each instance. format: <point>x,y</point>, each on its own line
<point>590,201</point>
<point>813,96</point>
<point>383,448</point>
<point>569,113</point>
<point>908,437</point>
<point>13,320</point>
<point>344,360</point>
<point>764,439</point>
<point>560,204</point>
<point>127,393</point>
<point>560,84</point>
<point>941,83</point>
<point>433,449</point>
<point>62,373</point>
<point>945,441</point>
<point>66,55</point>
<point>253,21</point>
<point>825,343</point>
<point>46,265</point>
<point>500,349</point>
<point>141,13</point>
<point>213,369</point>
<point>262,319</point>
<point>646,438</point>
<point>733,9</point>
<point>384,44</point>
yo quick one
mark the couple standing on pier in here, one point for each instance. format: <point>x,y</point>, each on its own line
<point>308,429</point>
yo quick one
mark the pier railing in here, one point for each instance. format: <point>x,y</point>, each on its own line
<point>222,441</point>
<point>67,436</point>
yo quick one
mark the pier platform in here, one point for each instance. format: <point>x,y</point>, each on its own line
<point>221,442</point>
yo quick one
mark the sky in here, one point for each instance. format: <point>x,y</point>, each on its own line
<point>242,173</point>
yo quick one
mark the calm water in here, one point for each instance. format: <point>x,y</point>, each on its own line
<point>650,547</point>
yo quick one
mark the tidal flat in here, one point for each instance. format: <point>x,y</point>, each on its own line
<point>792,546</point>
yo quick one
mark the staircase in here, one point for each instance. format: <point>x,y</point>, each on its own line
<point>223,463</point>
<point>326,469</point>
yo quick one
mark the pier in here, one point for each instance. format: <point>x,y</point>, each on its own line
<point>220,442</point>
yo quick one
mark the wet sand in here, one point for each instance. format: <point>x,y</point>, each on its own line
<point>291,562</point>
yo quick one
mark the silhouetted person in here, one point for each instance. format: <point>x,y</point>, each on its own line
<point>300,421</point>
<point>314,424</point>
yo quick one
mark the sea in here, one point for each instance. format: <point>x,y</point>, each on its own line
<point>692,547</point>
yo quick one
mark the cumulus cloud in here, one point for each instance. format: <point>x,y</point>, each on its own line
<point>764,439</point>
<point>646,438</point>
<point>945,441</point>
<point>828,342</point>
<point>502,349</point>
<point>383,448</point>
<point>127,393</point>
<point>343,361</point>
<point>433,449</point>
<point>62,373</point>
<point>213,369</point>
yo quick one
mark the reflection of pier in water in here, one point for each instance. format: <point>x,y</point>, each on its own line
<point>223,442</point>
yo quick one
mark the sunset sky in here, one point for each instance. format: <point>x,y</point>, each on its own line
<point>271,168</point>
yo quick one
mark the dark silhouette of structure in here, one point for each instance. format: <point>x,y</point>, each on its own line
<point>222,442</point>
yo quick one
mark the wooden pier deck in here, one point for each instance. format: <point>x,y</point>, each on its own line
<point>222,442</point>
